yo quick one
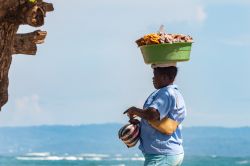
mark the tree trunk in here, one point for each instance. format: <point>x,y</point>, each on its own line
<point>7,33</point>
<point>12,14</point>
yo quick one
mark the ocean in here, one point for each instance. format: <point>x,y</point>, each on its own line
<point>99,145</point>
<point>47,159</point>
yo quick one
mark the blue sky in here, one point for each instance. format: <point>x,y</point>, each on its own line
<point>89,70</point>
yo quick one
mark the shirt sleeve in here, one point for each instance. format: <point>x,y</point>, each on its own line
<point>162,103</point>
<point>179,112</point>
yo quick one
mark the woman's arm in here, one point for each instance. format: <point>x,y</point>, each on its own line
<point>166,125</point>
<point>148,114</point>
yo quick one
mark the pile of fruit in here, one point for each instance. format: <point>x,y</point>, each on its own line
<point>161,37</point>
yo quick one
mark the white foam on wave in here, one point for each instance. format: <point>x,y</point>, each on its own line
<point>51,158</point>
<point>127,158</point>
<point>94,158</point>
<point>242,162</point>
<point>213,156</point>
<point>94,155</point>
<point>90,157</point>
<point>38,154</point>
<point>47,156</point>
<point>137,159</point>
<point>73,158</point>
<point>120,159</point>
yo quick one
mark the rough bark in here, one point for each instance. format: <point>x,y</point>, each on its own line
<point>7,33</point>
<point>12,14</point>
<point>26,43</point>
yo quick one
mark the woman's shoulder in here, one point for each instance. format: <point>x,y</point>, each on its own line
<point>166,91</point>
<point>170,89</point>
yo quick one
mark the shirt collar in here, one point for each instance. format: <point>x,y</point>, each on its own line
<point>174,86</point>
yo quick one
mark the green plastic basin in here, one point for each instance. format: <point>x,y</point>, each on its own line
<point>162,53</point>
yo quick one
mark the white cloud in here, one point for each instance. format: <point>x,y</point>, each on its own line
<point>25,111</point>
<point>28,104</point>
<point>200,14</point>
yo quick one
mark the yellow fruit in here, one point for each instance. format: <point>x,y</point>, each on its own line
<point>32,1</point>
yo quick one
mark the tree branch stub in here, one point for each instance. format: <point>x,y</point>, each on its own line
<point>26,43</point>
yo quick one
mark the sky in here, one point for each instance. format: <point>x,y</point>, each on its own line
<point>89,70</point>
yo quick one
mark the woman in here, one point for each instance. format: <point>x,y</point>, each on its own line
<point>161,118</point>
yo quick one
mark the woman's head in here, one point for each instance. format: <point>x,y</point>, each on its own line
<point>164,76</point>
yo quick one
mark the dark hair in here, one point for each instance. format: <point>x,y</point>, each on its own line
<point>171,71</point>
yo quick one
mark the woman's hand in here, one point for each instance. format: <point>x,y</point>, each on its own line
<point>134,121</point>
<point>147,114</point>
<point>131,112</point>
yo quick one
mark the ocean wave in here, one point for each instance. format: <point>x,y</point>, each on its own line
<point>137,159</point>
<point>129,158</point>
<point>88,156</point>
<point>94,155</point>
<point>242,162</point>
<point>213,156</point>
<point>38,154</point>
<point>94,158</point>
<point>51,158</point>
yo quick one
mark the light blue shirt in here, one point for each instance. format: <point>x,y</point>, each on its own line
<point>169,102</point>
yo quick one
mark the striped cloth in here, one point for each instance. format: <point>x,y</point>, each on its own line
<point>130,134</point>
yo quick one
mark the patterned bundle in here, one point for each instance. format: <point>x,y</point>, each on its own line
<point>129,134</point>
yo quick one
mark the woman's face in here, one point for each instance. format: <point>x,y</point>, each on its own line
<point>159,80</point>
